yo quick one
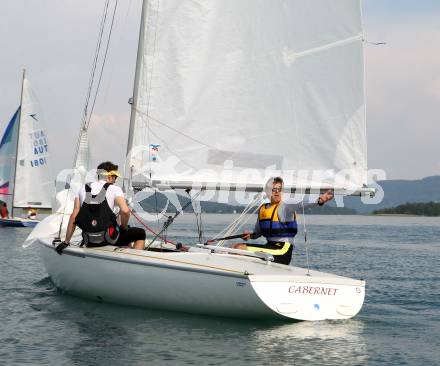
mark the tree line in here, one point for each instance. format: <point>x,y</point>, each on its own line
<point>418,208</point>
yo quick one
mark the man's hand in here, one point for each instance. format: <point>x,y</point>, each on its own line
<point>325,197</point>
<point>60,247</point>
<point>246,235</point>
<point>181,247</point>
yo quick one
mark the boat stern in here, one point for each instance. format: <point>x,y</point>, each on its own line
<point>309,297</point>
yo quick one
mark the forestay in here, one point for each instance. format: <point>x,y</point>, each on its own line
<point>229,93</point>
<point>34,187</point>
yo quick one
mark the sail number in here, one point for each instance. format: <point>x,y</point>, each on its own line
<point>40,148</point>
<point>38,162</point>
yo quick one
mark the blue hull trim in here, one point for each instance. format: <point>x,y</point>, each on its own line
<point>18,223</point>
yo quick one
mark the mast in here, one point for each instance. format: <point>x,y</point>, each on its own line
<point>134,102</point>
<point>16,144</point>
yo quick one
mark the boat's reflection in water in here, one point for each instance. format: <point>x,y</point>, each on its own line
<point>108,332</point>
<point>323,343</point>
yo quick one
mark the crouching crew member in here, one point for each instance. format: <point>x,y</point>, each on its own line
<point>277,223</point>
<point>93,214</point>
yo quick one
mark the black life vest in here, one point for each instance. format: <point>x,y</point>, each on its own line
<point>96,219</point>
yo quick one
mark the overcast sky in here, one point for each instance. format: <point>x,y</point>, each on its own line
<point>55,41</point>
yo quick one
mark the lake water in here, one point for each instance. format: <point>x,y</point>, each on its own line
<point>399,257</point>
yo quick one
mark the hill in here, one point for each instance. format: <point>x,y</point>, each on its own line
<point>420,209</point>
<point>400,192</point>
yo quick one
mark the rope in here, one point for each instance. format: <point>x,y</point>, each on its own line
<point>95,61</point>
<point>170,220</point>
<point>242,219</point>
<point>149,229</point>
<point>305,239</point>
<point>246,217</point>
<point>234,226</point>
<point>198,218</point>
<point>85,121</point>
<point>228,228</point>
<point>101,72</point>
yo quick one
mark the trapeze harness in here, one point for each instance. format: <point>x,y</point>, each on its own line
<point>96,219</point>
<point>271,227</point>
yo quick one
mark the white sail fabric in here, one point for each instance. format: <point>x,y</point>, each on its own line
<point>55,225</point>
<point>82,159</point>
<point>233,92</point>
<point>34,186</point>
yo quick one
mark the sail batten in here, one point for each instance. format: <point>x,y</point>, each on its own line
<point>231,92</point>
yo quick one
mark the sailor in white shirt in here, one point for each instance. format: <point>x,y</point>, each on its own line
<point>114,197</point>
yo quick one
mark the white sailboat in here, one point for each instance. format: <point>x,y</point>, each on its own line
<point>25,176</point>
<point>230,88</point>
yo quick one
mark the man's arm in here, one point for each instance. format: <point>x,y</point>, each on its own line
<point>71,226</point>
<point>323,198</point>
<point>124,211</point>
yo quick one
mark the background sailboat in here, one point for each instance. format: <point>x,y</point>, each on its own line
<point>25,175</point>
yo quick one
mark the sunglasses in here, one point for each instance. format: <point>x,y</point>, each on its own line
<point>277,189</point>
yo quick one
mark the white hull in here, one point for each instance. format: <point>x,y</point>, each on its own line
<point>202,282</point>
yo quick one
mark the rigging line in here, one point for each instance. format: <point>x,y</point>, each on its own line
<point>95,61</point>
<point>155,199</point>
<point>228,229</point>
<point>118,46</point>
<point>174,129</point>
<point>171,220</point>
<point>233,225</point>
<point>92,77</point>
<point>242,219</point>
<point>246,216</point>
<point>92,74</point>
<point>197,215</point>
<point>305,239</point>
<point>201,225</point>
<point>238,224</point>
<point>147,227</point>
<point>103,62</point>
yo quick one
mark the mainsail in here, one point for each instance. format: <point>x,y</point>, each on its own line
<point>33,187</point>
<point>236,91</point>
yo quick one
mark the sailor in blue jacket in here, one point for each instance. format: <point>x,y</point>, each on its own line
<point>277,223</point>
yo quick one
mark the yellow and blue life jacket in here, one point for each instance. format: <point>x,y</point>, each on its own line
<point>272,227</point>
